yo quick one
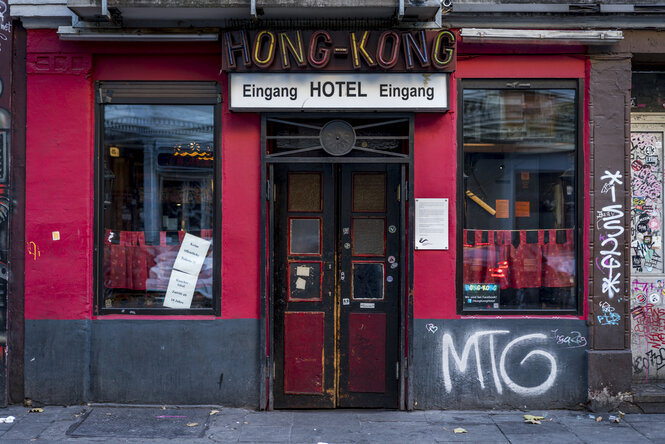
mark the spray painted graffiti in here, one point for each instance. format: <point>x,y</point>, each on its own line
<point>609,316</point>
<point>5,23</point>
<point>499,372</point>
<point>610,227</point>
<point>573,339</point>
<point>648,326</point>
<point>646,202</point>
<point>654,359</point>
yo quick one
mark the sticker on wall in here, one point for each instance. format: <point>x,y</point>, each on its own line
<point>302,270</point>
<point>392,229</point>
<point>654,298</point>
<point>347,245</point>
<point>637,312</point>
<point>56,235</point>
<point>345,230</point>
<point>301,284</point>
<point>641,298</point>
<point>393,265</point>
<point>389,279</point>
<point>391,259</point>
<point>346,301</point>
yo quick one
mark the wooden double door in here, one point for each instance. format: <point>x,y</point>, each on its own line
<point>337,283</point>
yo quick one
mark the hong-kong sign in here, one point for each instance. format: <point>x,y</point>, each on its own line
<point>381,51</point>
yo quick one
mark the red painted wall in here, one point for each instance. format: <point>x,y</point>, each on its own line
<point>59,172</point>
<point>435,165</point>
<point>60,155</point>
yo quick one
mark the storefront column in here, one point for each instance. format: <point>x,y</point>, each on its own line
<point>609,370</point>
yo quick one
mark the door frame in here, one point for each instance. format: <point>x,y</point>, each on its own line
<point>405,304</point>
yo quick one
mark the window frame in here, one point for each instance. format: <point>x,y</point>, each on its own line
<point>156,93</point>
<point>512,84</point>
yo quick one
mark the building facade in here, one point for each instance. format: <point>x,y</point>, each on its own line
<point>414,205</point>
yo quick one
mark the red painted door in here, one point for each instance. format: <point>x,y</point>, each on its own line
<point>336,250</point>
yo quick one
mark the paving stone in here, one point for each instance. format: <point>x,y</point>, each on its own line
<point>610,435</point>
<point>323,417</point>
<point>56,430</point>
<point>652,430</point>
<point>269,418</point>
<point>523,427</point>
<point>652,417</point>
<point>385,416</point>
<point>327,433</point>
<point>265,433</point>
<point>224,435</point>
<point>112,422</point>
<point>554,438</point>
<point>25,430</point>
<point>457,417</point>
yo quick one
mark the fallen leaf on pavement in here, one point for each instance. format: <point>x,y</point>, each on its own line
<point>621,414</point>
<point>459,430</point>
<point>598,419</point>
<point>192,424</point>
<point>532,421</point>
<point>214,412</point>
<point>533,418</point>
<point>36,410</point>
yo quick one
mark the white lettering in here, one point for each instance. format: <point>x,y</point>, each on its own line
<point>473,343</point>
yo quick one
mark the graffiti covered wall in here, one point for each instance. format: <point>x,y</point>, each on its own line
<point>647,291</point>
<point>646,160</point>
<point>493,363</point>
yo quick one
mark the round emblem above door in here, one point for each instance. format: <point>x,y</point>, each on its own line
<point>337,137</point>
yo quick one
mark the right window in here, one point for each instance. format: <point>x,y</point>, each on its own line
<point>520,191</point>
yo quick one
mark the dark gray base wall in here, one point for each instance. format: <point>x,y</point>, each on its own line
<point>143,361</point>
<point>498,363</point>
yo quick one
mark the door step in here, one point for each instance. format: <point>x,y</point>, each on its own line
<point>649,397</point>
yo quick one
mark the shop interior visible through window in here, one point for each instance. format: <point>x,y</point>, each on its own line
<point>520,196</point>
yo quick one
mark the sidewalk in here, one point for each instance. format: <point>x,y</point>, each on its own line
<point>86,424</point>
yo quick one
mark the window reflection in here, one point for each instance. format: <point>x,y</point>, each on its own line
<point>158,171</point>
<point>520,191</point>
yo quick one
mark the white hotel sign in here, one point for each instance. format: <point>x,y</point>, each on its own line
<point>337,92</point>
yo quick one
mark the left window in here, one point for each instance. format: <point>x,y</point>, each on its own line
<point>156,210</point>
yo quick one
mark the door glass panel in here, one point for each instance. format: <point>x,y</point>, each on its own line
<point>305,281</point>
<point>369,192</point>
<point>305,236</point>
<point>367,280</point>
<point>368,236</point>
<point>304,192</point>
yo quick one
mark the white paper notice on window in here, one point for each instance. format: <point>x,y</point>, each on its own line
<point>180,291</point>
<point>192,253</point>
<point>431,224</point>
